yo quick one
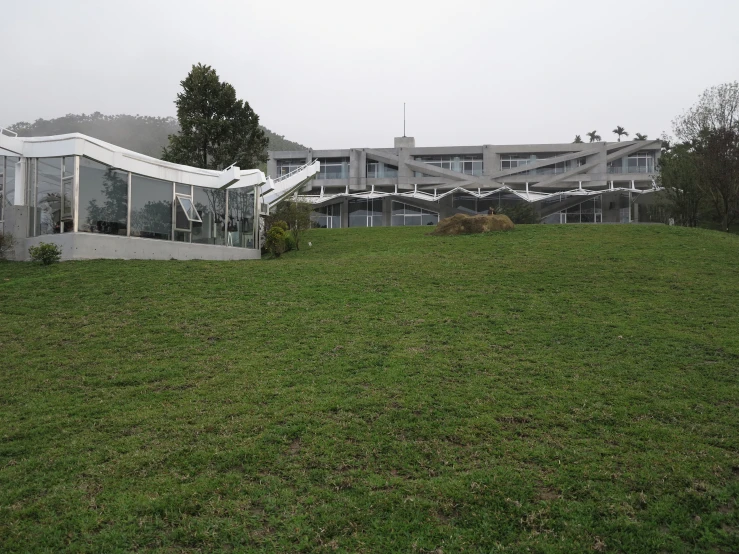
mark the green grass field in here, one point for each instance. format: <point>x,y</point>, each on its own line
<point>551,389</point>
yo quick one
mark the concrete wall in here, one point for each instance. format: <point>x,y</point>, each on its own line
<point>87,246</point>
<point>593,175</point>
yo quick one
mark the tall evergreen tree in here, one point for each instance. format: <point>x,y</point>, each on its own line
<point>216,128</point>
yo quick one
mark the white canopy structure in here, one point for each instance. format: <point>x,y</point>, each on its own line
<point>525,195</point>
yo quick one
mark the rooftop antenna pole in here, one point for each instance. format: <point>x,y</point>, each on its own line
<point>404,119</point>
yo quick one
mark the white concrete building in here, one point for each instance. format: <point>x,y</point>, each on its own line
<point>596,182</point>
<point>97,200</point>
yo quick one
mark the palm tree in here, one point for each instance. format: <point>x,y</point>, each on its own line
<point>620,131</point>
<point>577,140</point>
<point>594,136</point>
<point>639,136</point>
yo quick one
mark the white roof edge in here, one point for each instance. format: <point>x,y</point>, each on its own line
<point>77,144</point>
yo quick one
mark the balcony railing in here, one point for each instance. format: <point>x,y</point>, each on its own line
<point>291,173</point>
<point>630,169</point>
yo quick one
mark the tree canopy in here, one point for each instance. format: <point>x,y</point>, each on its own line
<point>216,129</point>
<point>679,178</point>
<point>710,129</point>
<point>620,131</point>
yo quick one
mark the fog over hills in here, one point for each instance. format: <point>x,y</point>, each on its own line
<point>144,134</point>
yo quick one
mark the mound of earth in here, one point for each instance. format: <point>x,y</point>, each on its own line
<point>461,224</point>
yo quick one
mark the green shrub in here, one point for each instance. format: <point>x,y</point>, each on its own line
<point>290,243</point>
<point>46,253</point>
<point>280,224</point>
<point>520,213</point>
<point>7,242</point>
<point>276,240</point>
<point>297,215</point>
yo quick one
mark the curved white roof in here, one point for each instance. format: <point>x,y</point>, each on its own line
<point>76,144</point>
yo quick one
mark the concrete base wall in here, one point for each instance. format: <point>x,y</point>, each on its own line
<point>87,246</point>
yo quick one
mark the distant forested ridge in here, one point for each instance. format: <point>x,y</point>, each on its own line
<point>144,134</point>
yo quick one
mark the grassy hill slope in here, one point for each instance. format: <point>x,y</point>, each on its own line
<point>144,134</point>
<point>555,388</point>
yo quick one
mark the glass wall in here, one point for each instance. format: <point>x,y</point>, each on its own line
<point>184,212</point>
<point>288,165</point>
<point>467,164</point>
<point>640,162</point>
<point>405,214</point>
<point>333,168</point>
<point>103,199</point>
<point>9,181</point>
<point>464,203</point>
<point>588,211</point>
<point>471,205</point>
<point>327,217</point>
<point>2,187</point>
<point>48,212</point>
<point>151,208</point>
<point>241,218</point>
<point>211,205</point>
<point>115,202</point>
<point>379,170</point>
<point>512,161</point>
<point>49,194</point>
<point>364,212</point>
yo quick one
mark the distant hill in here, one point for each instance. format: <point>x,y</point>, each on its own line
<point>144,134</point>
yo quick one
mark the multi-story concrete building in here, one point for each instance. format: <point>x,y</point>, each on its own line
<point>408,185</point>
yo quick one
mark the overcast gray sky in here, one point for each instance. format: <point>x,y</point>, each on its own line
<point>335,74</point>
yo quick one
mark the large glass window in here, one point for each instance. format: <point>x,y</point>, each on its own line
<point>512,161</point>
<point>405,214</point>
<point>327,217</point>
<point>365,212</point>
<point>9,180</point>
<point>151,208</point>
<point>641,162</point>
<point>616,166</point>
<point>103,199</point>
<point>379,170</point>
<point>2,186</point>
<point>241,218</point>
<point>48,212</point>
<point>185,215</point>
<point>588,211</point>
<point>464,203</point>
<point>468,164</point>
<point>211,206</point>
<point>333,168</point>
<point>289,165</point>
<point>471,205</point>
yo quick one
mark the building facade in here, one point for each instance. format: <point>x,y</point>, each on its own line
<point>407,185</point>
<point>97,200</point>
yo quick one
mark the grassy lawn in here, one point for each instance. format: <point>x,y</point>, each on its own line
<point>551,389</point>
